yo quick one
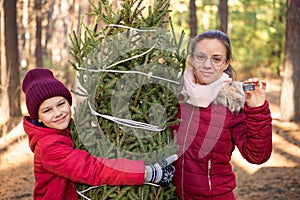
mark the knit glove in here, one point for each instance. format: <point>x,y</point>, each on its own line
<point>161,173</point>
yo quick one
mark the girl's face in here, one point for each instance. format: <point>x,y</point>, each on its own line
<point>55,113</point>
<point>209,61</point>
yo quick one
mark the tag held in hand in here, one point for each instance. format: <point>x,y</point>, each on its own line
<point>248,87</point>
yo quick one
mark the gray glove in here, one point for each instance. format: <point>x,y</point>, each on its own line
<point>161,173</point>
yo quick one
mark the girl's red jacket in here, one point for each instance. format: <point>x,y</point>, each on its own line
<point>207,138</point>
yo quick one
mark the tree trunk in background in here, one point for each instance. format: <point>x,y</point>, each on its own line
<point>223,13</point>
<point>63,25</point>
<point>10,75</point>
<point>27,33</point>
<point>38,49</point>
<point>59,37</point>
<point>193,19</point>
<point>49,27</point>
<point>290,94</point>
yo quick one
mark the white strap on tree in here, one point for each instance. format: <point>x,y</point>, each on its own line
<point>86,190</point>
<point>129,72</point>
<point>127,122</point>
<point>131,58</point>
<point>131,28</point>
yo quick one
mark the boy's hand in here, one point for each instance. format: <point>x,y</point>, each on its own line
<point>161,173</point>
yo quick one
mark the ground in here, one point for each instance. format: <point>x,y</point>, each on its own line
<point>277,179</point>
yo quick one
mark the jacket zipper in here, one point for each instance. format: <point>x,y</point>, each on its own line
<point>208,174</point>
<point>183,157</point>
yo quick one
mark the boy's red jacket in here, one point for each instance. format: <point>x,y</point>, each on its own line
<point>57,165</point>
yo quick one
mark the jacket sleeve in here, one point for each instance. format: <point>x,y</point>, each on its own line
<point>252,133</point>
<point>59,157</point>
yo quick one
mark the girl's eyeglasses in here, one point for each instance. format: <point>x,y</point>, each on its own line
<point>215,60</point>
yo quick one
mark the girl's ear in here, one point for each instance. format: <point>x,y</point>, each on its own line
<point>39,120</point>
<point>227,65</point>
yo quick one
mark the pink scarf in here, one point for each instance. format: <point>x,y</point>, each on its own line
<point>202,95</point>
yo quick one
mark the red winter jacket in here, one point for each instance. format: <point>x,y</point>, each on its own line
<point>57,165</point>
<point>207,138</point>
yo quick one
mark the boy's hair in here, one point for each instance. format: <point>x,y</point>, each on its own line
<point>40,84</point>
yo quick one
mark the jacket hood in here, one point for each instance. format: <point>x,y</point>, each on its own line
<point>231,96</point>
<point>35,133</point>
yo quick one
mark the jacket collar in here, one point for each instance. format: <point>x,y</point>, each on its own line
<point>36,132</point>
<point>231,96</point>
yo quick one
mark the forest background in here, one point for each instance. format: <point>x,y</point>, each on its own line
<point>265,36</point>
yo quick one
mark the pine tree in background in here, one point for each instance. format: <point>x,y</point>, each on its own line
<point>130,69</point>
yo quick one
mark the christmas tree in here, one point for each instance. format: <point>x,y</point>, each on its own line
<point>130,70</point>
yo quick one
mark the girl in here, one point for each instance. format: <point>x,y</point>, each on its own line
<point>57,164</point>
<point>216,116</point>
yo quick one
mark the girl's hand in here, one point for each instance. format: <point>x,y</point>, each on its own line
<point>257,97</point>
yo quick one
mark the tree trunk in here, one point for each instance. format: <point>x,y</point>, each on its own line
<point>38,49</point>
<point>193,19</point>
<point>290,94</point>
<point>10,74</point>
<point>223,13</point>
<point>62,27</point>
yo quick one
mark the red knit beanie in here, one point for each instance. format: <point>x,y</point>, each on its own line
<point>40,84</point>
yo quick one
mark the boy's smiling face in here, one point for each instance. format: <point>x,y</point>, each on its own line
<point>55,113</point>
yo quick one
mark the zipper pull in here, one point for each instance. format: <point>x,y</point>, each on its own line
<point>208,174</point>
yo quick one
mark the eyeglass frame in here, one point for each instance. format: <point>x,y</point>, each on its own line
<point>224,60</point>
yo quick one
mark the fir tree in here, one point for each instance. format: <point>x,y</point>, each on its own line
<point>130,68</point>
